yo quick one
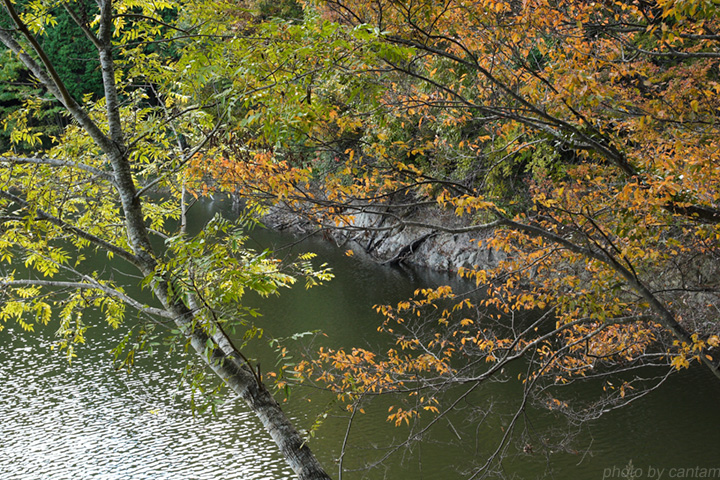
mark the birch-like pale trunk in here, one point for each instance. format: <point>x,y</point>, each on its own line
<point>223,359</point>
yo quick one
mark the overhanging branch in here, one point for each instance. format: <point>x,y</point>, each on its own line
<point>54,162</point>
<point>665,317</point>
<point>72,229</point>
<point>90,284</point>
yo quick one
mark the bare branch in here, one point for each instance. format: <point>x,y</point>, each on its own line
<point>48,76</point>
<point>78,21</point>
<point>65,96</point>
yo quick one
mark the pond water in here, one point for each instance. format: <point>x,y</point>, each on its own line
<point>85,420</point>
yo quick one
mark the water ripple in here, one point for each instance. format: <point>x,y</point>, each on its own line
<point>87,421</point>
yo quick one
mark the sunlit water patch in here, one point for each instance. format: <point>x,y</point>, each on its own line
<point>85,420</point>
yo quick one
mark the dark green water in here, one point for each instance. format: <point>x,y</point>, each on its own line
<point>87,421</point>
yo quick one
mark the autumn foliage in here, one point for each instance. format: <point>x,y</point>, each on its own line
<point>582,139</point>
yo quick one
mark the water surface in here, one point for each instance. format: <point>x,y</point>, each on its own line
<point>86,420</point>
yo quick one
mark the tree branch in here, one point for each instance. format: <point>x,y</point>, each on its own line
<point>665,317</point>
<point>78,21</point>
<point>48,76</point>
<point>53,162</point>
<point>89,284</point>
<point>65,96</point>
<point>186,158</point>
<point>105,245</point>
<point>112,105</point>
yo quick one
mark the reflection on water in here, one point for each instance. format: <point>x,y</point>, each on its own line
<point>673,427</point>
<point>87,421</point>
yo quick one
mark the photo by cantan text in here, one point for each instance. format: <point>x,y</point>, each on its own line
<point>632,472</point>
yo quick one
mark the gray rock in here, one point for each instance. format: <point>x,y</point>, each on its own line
<point>414,245</point>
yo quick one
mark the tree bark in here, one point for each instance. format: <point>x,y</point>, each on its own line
<point>223,359</point>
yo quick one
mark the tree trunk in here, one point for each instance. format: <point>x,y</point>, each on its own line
<point>227,363</point>
<point>224,359</point>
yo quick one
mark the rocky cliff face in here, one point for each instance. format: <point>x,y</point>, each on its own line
<point>392,242</point>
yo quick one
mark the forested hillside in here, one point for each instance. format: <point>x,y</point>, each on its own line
<point>580,139</point>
